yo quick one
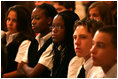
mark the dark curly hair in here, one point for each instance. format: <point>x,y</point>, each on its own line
<point>50,11</point>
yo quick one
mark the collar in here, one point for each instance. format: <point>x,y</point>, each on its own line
<point>88,64</point>
<point>45,38</point>
<point>10,37</point>
<point>112,73</point>
<point>14,34</point>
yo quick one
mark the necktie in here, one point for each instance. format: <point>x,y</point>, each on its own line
<point>82,73</point>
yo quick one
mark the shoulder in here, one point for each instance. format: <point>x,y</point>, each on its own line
<point>76,59</point>
<point>95,72</point>
<point>74,66</point>
<point>3,33</point>
<point>46,58</point>
<point>25,43</point>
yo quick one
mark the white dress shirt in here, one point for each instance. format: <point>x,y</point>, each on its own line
<point>3,33</point>
<point>46,57</point>
<point>87,66</point>
<point>24,47</point>
<point>75,66</point>
<point>10,37</point>
<point>95,72</point>
<point>22,50</point>
<point>112,73</point>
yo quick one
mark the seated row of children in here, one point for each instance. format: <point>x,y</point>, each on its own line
<point>64,47</point>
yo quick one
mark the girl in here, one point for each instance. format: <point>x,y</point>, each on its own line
<point>62,36</point>
<point>19,29</point>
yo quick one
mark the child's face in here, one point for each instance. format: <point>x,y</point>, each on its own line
<point>58,29</point>
<point>102,52</point>
<point>82,41</point>
<point>94,14</point>
<point>58,7</point>
<point>12,22</point>
<point>39,21</point>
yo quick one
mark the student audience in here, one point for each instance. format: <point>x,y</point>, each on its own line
<point>84,32</point>
<point>64,5</point>
<point>104,51</point>
<point>63,40</point>
<point>19,29</point>
<point>64,46</point>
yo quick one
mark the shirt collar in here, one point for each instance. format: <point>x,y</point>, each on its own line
<point>88,64</point>
<point>45,38</point>
<point>14,34</point>
<point>10,37</point>
<point>112,73</point>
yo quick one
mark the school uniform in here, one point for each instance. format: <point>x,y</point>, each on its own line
<point>88,65</point>
<point>22,50</point>
<point>41,41</point>
<point>38,47</point>
<point>74,66</point>
<point>61,62</point>
<point>83,68</point>
<point>12,49</point>
<point>112,73</point>
<point>95,72</point>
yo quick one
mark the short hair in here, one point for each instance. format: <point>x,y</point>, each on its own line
<point>104,10</point>
<point>50,11</point>
<point>91,24</point>
<point>113,32</point>
<point>67,4</point>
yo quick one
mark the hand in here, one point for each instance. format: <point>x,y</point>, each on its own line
<point>20,69</point>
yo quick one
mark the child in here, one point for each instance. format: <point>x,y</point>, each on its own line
<point>104,51</point>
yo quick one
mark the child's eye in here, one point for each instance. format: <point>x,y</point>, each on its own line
<point>99,45</point>
<point>14,20</point>
<point>37,18</point>
<point>74,37</point>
